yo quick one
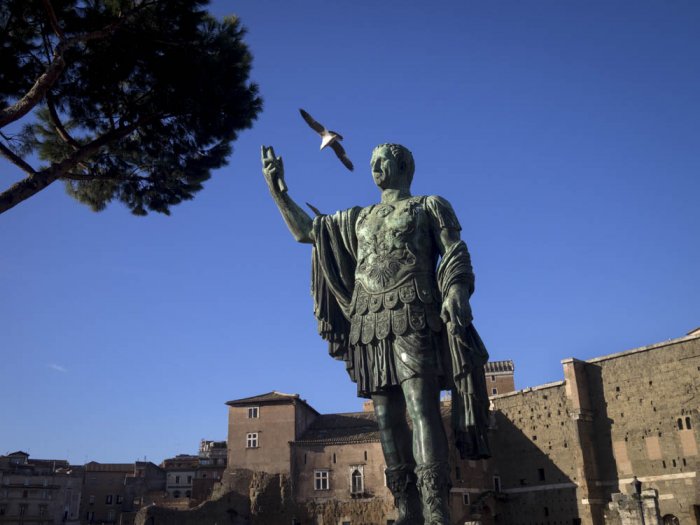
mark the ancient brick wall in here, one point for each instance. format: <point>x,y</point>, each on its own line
<point>535,456</point>
<point>648,401</point>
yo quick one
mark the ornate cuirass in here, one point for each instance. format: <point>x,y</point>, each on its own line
<point>395,288</point>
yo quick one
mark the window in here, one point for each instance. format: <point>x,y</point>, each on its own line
<point>688,426</point>
<point>253,412</point>
<point>494,391</point>
<point>540,474</point>
<point>42,510</point>
<point>321,480</point>
<point>357,482</point>
<point>108,499</point>
<point>25,493</point>
<point>334,458</point>
<point>493,379</point>
<point>176,494</point>
<point>497,483</point>
<point>465,498</point>
<point>120,499</point>
<point>22,509</point>
<point>189,479</point>
<point>680,423</point>
<point>3,509</point>
<point>110,515</point>
<point>91,499</point>
<point>188,494</point>
<point>90,516</point>
<point>251,440</point>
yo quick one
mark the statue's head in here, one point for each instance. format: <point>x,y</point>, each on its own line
<point>392,166</point>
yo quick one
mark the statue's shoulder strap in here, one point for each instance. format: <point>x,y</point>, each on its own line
<point>441,212</point>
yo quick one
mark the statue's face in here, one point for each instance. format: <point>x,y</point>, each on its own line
<point>385,172</point>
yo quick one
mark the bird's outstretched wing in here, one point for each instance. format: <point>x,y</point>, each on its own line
<point>318,128</point>
<point>340,152</point>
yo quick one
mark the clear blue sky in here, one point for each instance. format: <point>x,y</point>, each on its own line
<point>565,134</point>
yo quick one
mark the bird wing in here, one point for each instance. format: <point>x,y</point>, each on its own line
<point>340,152</point>
<point>318,128</point>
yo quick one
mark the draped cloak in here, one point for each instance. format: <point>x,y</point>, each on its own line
<point>334,260</point>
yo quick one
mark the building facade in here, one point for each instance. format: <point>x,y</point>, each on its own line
<point>41,491</point>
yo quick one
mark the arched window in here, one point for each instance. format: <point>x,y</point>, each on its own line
<point>176,494</point>
<point>188,494</point>
<point>358,485</point>
<point>687,423</point>
<point>680,423</point>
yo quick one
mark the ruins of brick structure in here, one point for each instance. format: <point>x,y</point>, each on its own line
<point>564,453</point>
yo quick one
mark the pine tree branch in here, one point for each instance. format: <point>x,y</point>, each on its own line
<point>53,20</point>
<point>16,160</point>
<point>58,125</point>
<point>39,180</point>
<point>55,68</point>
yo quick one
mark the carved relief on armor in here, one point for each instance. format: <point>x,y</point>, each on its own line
<point>355,329</point>
<point>383,328</point>
<point>391,299</point>
<point>375,303</point>
<point>407,293</point>
<point>399,320</point>
<point>368,322</point>
<point>416,316</point>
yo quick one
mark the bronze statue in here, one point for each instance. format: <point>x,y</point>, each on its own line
<point>391,285</point>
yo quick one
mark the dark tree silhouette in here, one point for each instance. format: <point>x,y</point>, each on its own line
<point>135,100</point>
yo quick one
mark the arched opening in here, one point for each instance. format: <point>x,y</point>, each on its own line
<point>670,519</point>
<point>357,482</point>
<point>176,494</point>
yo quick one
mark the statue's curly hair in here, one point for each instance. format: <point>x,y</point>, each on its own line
<point>403,157</point>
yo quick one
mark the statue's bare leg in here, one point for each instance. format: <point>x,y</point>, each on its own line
<point>422,396</point>
<point>395,436</point>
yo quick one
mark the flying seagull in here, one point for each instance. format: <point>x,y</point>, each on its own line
<point>328,138</point>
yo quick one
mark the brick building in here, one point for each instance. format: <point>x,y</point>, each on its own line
<point>114,492</point>
<point>561,451</point>
<point>41,491</point>
<point>338,457</point>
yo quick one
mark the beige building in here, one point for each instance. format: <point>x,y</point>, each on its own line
<point>180,474</point>
<point>40,491</point>
<point>114,492</point>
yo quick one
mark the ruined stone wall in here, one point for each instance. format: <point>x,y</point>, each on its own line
<point>649,400</point>
<point>562,450</point>
<point>535,456</point>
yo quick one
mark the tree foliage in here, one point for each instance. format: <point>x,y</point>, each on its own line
<point>135,100</point>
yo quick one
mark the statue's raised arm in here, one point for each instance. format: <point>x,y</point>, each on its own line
<point>297,220</point>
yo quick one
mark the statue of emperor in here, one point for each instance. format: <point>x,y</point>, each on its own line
<point>391,284</point>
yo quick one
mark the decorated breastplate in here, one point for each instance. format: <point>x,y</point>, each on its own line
<point>395,288</point>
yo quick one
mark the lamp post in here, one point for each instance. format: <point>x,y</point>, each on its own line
<point>638,490</point>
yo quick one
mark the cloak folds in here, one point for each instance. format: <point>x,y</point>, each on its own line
<point>334,258</point>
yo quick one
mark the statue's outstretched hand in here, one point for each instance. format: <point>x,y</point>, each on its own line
<point>456,312</point>
<point>273,170</point>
